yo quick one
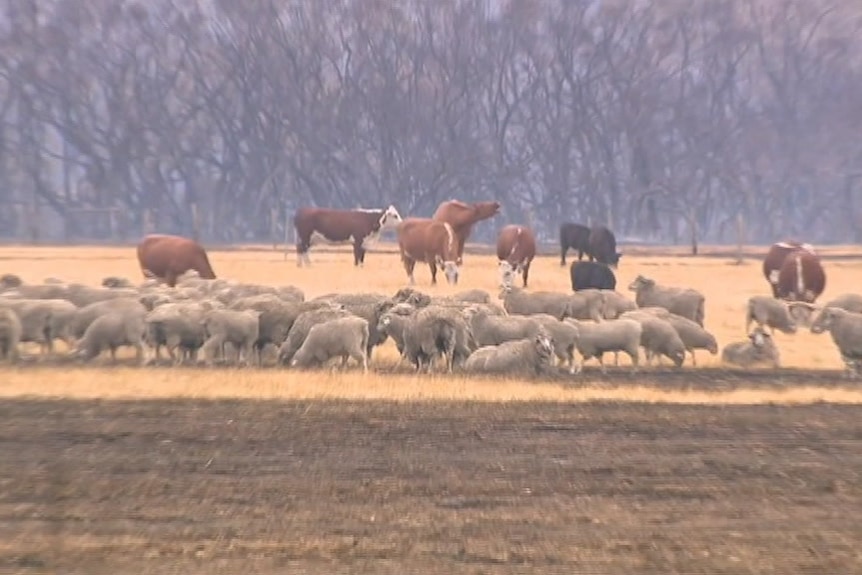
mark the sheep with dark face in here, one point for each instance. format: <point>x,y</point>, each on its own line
<point>522,357</point>
<point>345,337</point>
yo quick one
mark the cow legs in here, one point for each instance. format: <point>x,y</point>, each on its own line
<point>433,265</point>
<point>525,271</point>
<point>302,247</point>
<point>563,249</point>
<point>358,254</point>
<point>409,265</point>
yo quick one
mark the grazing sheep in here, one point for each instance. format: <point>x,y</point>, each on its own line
<point>845,327</point>
<point>116,282</point>
<point>43,320</point>
<point>565,337</point>
<point>240,328</point>
<point>10,281</point>
<point>345,337</point>
<point>766,311</point>
<point>587,305</point>
<point>616,304</point>
<point>518,301</point>
<point>692,335</point>
<point>459,299</point>
<point>371,312</point>
<point>359,298</point>
<point>658,337</point>
<point>85,315</point>
<point>759,349</point>
<point>229,294</point>
<point>82,295</point>
<point>395,322</point>
<point>36,291</point>
<point>681,301</point>
<point>522,357</point>
<point>10,335</point>
<point>177,326</point>
<point>113,330</point>
<point>493,330</point>
<point>595,339</point>
<point>300,328</point>
<point>438,330</point>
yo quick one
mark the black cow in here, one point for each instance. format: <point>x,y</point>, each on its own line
<point>603,246</point>
<point>592,275</point>
<point>575,236</point>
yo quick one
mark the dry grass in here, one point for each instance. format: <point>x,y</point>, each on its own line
<point>726,286</point>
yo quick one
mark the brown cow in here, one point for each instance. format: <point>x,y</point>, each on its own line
<point>575,236</point>
<point>361,226</point>
<point>167,257</point>
<point>775,257</point>
<point>424,240</point>
<point>801,277</point>
<point>516,248</point>
<point>462,216</point>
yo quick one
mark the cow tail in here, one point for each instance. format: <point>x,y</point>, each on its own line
<point>450,238</point>
<point>515,244</point>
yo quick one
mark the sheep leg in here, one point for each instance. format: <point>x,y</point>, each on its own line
<point>601,359</point>
<point>616,359</point>
<point>409,266</point>
<point>635,357</point>
<point>113,350</point>
<point>693,358</point>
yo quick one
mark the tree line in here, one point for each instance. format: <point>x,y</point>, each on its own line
<point>668,120</point>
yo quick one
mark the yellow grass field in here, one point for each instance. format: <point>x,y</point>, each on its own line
<point>725,284</point>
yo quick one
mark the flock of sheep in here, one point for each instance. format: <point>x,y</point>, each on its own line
<point>520,332</point>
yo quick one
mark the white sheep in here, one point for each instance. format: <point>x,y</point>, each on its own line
<point>10,334</point>
<point>521,357</point>
<point>595,339</point>
<point>758,349</point>
<point>345,337</point>
<point>681,301</point>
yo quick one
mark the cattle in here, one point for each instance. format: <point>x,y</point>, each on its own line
<point>592,275</point>
<point>575,236</point>
<point>801,277</point>
<point>603,246</point>
<point>429,241</point>
<point>361,226</point>
<point>167,257</point>
<point>461,216</point>
<point>775,257</point>
<point>516,248</point>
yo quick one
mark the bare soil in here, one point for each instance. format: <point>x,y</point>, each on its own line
<point>181,486</point>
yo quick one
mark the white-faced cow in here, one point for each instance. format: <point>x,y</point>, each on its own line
<point>516,248</point>
<point>362,227</point>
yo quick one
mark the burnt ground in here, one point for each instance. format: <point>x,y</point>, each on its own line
<point>181,486</point>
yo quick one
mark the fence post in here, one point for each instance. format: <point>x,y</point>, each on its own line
<point>196,222</point>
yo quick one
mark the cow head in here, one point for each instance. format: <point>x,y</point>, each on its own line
<point>390,218</point>
<point>485,210</point>
<point>450,268</point>
<point>507,274</point>
<point>614,260</point>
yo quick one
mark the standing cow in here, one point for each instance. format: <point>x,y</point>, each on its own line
<point>775,257</point>
<point>516,248</point>
<point>167,257</point>
<point>575,236</point>
<point>603,246</point>
<point>424,240</point>
<point>461,216</point>
<point>801,277</point>
<point>592,275</point>
<point>362,227</point>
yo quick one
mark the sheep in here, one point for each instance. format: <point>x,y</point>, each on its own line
<point>845,327</point>
<point>10,281</point>
<point>802,312</point>
<point>240,328</point>
<point>681,301</point>
<point>437,330</point>
<point>85,315</point>
<point>345,337</point>
<point>766,311</point>
<point>616,304</point>
<point>587,304</point>
<point>116,282</point>
<point>518,301</point>
<point>459,299</point>
<point>300,328</point>
<point>594,339</point>
<point>493,330</point>
<point>353,298</point>
<point>10,335</point>
<point>177,325</point>
<point>565,337</point>
<point>394,323</point>
<point>43,320</point>
<point>521,357</point>
<point>232,293</point>
<point>759,349</point>
<point>658,337</point>
<point>371,312</point>
<point>113,330</point>
<point>36,291</point>
<point>692,335</point>
<point>82,295</point>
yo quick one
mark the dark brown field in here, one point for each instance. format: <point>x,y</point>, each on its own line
<point>177,486</point>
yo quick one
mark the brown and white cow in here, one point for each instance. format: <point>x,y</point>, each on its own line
<point>461,216</point>
<point>516,248</point>
<point>435,243</point>
<point>801,277</point>
<point>775,257</point>
<point>333,226</point>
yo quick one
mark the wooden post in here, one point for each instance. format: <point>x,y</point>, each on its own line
<point>273,223</point>
<point>147,222</point>
<point>740,237</point>
<point>286,234</point>
<point>196,222</point>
